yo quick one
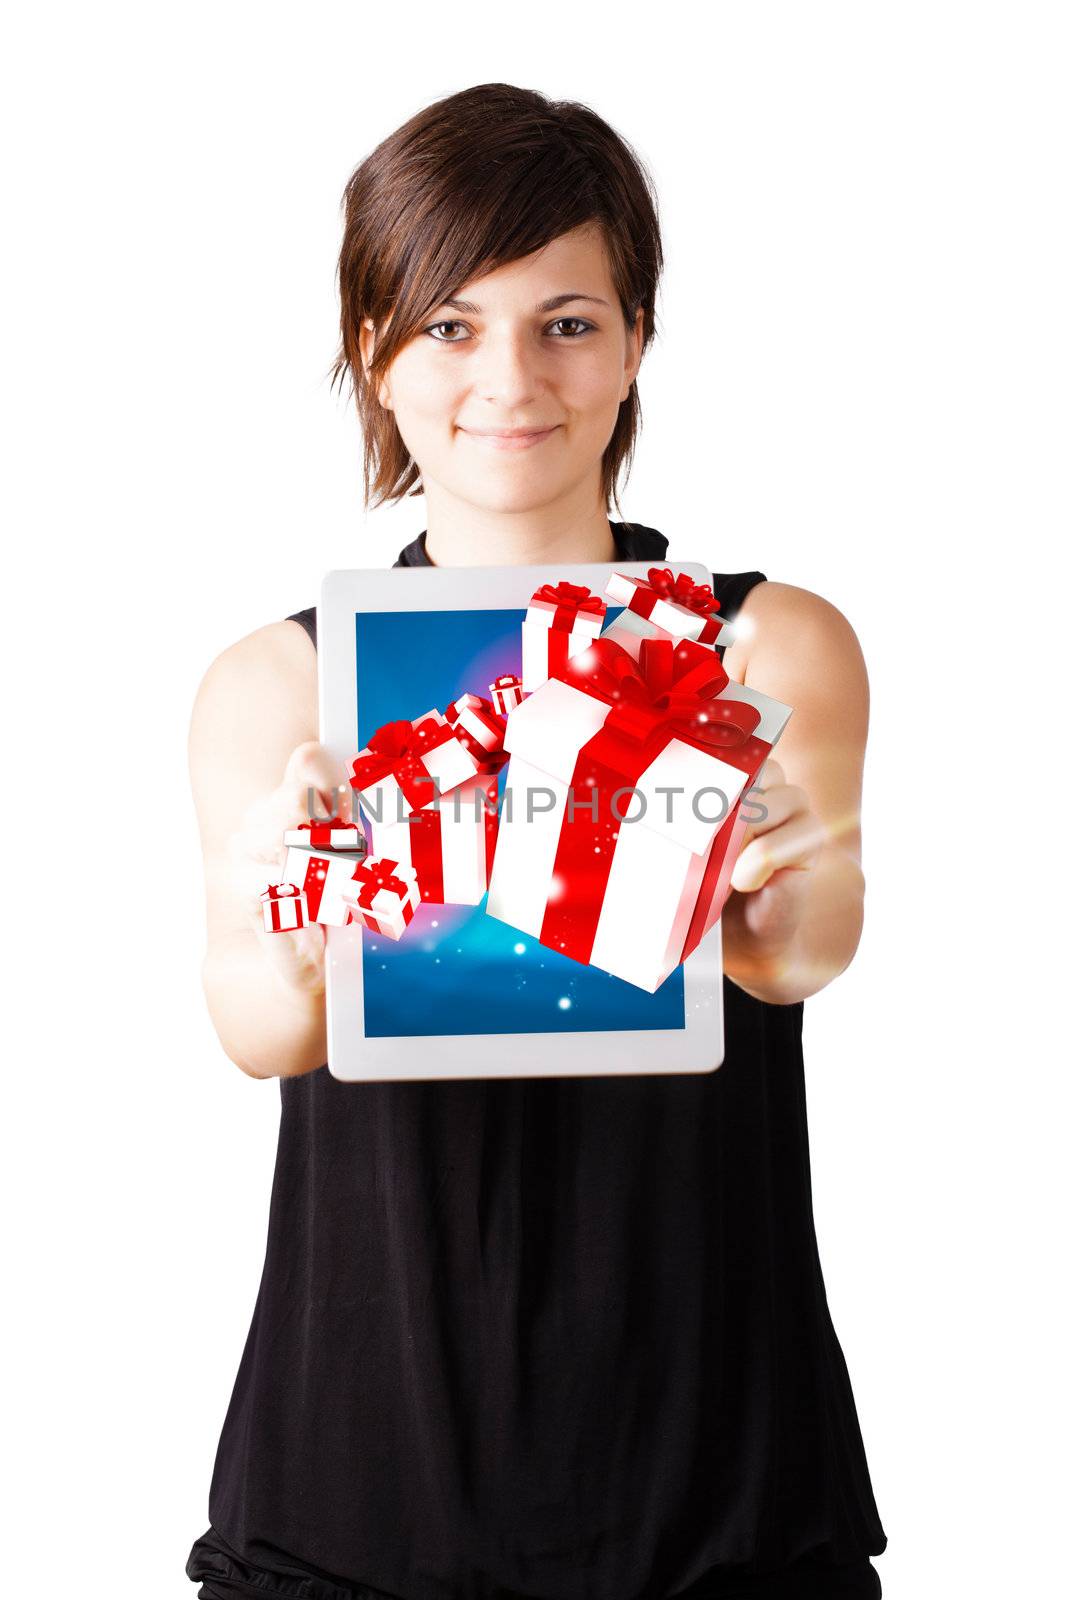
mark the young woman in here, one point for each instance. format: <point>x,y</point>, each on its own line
<point>564,1339</point>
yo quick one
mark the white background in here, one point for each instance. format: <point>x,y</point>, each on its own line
<point>858,387</point>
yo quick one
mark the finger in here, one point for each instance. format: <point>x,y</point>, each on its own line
<point>779,804</point>
<point>771,773</point>
<point>795,844</point>
<point>311,767</point>
<point>261,831</point>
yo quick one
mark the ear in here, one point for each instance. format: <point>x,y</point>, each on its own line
<point>366,353</point>
<point>635,351</point>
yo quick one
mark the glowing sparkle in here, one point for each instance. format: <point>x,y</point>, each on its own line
<point>564,1002</point>
<point>519,949</point>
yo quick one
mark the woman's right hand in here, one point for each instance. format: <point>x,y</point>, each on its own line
<point>256,857</point>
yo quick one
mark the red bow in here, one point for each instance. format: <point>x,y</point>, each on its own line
<point>569,599</point>
<point>375,875</point>
<point>671,690</point>
<point>400,748</point>
<point>693,596</point>
<point>321,830</point>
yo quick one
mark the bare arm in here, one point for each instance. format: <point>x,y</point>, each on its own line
<point>794,920</point>
<point>253,753</point>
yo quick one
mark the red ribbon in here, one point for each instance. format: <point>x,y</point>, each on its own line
<point>569,599</point>
<point>399,749</point>
<point>318,870</point>
<point>376,874</point>
<point>427,853</point>
<point>668,693</point>
<point>279,891</point>
<point>427,843</point>
<point>320,832</point>
<point>475,743</point>
<point>662,584</point>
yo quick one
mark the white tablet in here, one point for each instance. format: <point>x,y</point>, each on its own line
<point>461,994</point>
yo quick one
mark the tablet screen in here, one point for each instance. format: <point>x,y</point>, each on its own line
<point>457,970</point>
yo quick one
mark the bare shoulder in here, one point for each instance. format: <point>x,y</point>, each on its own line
<point>257,700</point>
<point>271,672</point>
<point>789,633</point>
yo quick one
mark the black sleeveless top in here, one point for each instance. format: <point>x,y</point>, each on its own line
<point>546,1339</point>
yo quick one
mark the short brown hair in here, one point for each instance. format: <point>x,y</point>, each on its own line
<point>475,181</point>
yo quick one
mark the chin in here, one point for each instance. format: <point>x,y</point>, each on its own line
<point>504,497</point>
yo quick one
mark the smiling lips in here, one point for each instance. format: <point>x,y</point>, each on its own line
<point>511,438</point>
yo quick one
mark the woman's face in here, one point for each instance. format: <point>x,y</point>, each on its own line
<point>539,344</point>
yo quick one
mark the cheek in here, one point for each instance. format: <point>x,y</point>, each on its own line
<point>593,385</point>
<point>424,391</point>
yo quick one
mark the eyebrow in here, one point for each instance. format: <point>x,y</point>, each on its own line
<point>553,304</point>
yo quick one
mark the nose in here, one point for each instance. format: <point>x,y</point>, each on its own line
<point>509,368</point>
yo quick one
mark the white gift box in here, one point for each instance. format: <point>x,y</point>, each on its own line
<point>326,835</point>
<point>383,895</point>
<point>546,643</point>
<point>659,617</point>
<point>322,874</point>
<point>284,908</point>
<point>451,845</point>
<point>476,724</point>
<point>628,629</point>
<point>635,895</point>
<point>403,783</point>
<point>506,692</point>
<point>774,715</point>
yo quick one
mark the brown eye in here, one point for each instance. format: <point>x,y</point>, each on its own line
<point>435,325</point>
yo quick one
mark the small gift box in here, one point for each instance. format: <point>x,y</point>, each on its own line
<point>322,874</point>
<point>396,773</point>
<point>327,835</point>
<point>665,606</point>
<point>506,692</point>
<point>646,763</point>
<point>382,895</point>
<point>451,844</point>
<point>477,725</point>
<point>284,907</point>
<point>561,621</point>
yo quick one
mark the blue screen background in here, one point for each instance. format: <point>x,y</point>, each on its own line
<point>457,970</point>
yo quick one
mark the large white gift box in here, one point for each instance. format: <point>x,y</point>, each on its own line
<point>773,716</point>
<point>627,893</point>
<point>561,621</point>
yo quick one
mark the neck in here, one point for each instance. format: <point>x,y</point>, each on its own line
<point>461,535</point>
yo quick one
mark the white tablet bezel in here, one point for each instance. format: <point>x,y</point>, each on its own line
<point>698,1047</point>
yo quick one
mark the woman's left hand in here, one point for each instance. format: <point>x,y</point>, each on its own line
<point>772,876</point>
